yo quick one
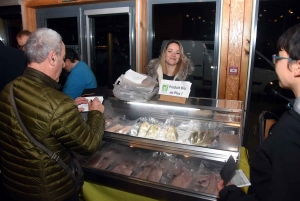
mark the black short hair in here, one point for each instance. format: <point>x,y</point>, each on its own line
<point>71,55</point>
<point>290,42</point>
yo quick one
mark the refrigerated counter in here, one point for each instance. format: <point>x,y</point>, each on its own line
<point>166,150</point>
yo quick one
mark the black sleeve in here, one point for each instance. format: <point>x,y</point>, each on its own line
<point>233,193</point>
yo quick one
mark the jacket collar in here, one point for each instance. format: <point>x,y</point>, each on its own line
<point>40,77</point>
<point>154,70</point>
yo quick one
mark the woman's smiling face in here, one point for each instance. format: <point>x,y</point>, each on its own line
<point>172,54</point>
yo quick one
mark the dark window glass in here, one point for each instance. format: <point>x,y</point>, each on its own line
<point>66,27</point>
<point>12,23</point>
<point>183,21</point>
<point>111,31</point>
<point>260,62</point>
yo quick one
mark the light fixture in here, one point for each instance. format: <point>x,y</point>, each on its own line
<point>162,106</point>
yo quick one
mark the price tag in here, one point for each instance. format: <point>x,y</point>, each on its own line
<point>175,88</point>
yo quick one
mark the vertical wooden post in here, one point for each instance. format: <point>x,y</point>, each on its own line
<point>246,49</point>
<point>28,17</point>
<point>224,43</point>
<point>236,30</point>
<point>141,35</point>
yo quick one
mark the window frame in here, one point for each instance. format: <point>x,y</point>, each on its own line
<point>42,14</point>
<point>217,38</point>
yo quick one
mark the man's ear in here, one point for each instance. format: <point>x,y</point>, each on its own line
<point>52,57</point>
<point>297,70</point>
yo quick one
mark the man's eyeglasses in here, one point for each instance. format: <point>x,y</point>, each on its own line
<point>276,58</point>
<point>21,47</point>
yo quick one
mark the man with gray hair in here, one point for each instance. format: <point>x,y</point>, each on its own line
<point>52,118</point>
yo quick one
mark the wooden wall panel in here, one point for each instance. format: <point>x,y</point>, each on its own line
<point>141,35</point>
<point>245,50</point>
<point>235,44</point>
<point>224,49</point>
<point>29,18</point>
<point>235,48</point>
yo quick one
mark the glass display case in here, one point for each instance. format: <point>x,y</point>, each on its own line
<point>177,149</point>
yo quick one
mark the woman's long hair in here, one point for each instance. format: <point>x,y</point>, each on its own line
<point>162,57</point>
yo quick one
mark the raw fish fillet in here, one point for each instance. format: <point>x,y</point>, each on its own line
<point>143,130</point>
<point>114,128</point>
<point>105,163</point>
<point>212,187</point>
<point>123,169</point>
<point>144,173</point>
<point>183,180</point>
<point>123,130</point>
<point>97,158</point>
<point>110,121</point>
<point>203,180</point>
<point>94,162</point>
<point>155,175</point>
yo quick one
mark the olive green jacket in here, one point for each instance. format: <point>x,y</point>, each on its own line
<point>54,120</point>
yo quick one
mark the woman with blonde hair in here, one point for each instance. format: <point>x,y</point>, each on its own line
<point>172,64</point>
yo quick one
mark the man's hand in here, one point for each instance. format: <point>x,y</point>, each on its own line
<point>81,100</point>
<point>96,105</point>
<point>220,186</point>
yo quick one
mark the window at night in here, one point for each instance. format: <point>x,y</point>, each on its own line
<point>183,21</point>
<point>66,27</point>
<point>194,25</point>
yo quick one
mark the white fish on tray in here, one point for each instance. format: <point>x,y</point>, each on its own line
<point>144,128</point>
<point>171,134</point>
<point>153,131</point>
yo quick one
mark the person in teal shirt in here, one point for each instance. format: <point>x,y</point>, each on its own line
<point>81,76</point>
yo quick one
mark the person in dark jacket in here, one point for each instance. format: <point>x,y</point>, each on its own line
<point>22,37</point>
<point>172,64</point>
<point>52,118</point>
<point>13,63</point>
<point>275,170</point>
